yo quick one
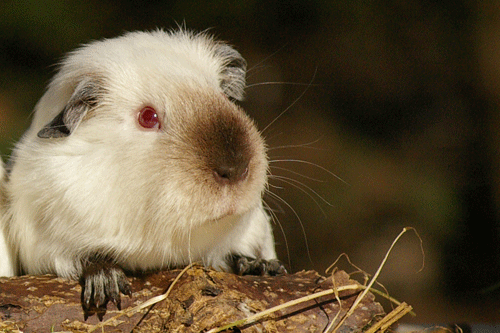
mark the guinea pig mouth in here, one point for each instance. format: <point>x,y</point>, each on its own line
<point>233,203</point>
<point>229,212</point>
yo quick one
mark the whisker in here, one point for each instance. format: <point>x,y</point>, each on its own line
<point>277,197</point>
<point>292,104</point>
<point>275,219</point>
<point>255,70</point>
<point>313,164</point>
<point>279,209</point>
<point>274,136</point>
<point>302,145</point>
<point>303,188</point>
<point>281,83</point>
<point>275,186</point>
<point>297,174</point>
<point>257,65</point>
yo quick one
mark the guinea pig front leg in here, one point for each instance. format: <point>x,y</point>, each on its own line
<point>102,281</point>
<point>243,265</point>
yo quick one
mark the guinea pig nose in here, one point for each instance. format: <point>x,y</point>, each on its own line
<point>226,174</point>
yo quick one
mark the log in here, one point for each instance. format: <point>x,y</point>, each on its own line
<point>200,300</point>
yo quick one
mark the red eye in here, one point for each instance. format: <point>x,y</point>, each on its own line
<point>148,118</point>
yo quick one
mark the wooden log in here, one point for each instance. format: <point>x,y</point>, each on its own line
<point>202,299</point>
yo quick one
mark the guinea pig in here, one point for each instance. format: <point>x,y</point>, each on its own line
<point>138,159</point>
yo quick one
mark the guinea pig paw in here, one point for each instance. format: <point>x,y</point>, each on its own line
<point>102,283</point>
<point>251,266</point>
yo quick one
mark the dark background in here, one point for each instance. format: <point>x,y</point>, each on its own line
<point>397,98</point>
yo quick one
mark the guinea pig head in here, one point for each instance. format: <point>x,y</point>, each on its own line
<point>147,121</point>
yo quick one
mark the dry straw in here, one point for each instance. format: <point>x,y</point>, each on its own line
<point>381,326</point>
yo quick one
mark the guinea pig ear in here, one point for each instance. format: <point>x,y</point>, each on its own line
<point>233,71</point>
<point>82,100</point>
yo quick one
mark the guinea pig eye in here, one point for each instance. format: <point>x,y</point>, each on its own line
<point>148,118</point>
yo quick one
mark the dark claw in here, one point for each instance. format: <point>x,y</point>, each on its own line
<point>251,266</point>
<point>101,283</point>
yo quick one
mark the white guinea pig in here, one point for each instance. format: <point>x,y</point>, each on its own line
<point>137,159</point>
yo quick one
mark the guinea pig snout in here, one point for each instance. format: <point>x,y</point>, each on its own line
<point>227,144</point>
<point>232,154</point>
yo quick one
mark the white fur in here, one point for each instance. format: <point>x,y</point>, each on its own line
<point>6,265</point>
<point>111,187</point>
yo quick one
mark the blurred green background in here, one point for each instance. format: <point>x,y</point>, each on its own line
<point>397,98</point>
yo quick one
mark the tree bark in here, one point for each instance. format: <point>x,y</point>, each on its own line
<point>202,299</point>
